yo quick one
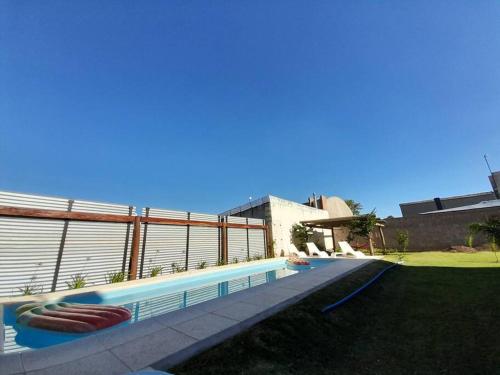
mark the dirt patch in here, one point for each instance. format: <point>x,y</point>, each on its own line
<point>462,249</point>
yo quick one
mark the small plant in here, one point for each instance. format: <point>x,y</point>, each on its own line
<point>403,239</point>
<point>235,260</point>
<point>257,257</point>
<point>176,268</point>
<point>31,287</point>
<point>469,240</point>
<point>491,228</point>
<point>115,277</point>
<point>77,281</point>
<point>201,265</point>
<point>220,262</point>
<point>155,271</point>
<point>273,249</point>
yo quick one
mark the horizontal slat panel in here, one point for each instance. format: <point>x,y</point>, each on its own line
<point>236,219</point>
<point>29,247</point>
<point>257,242</point>
<point>203,246</point>
<point>165,244</point>
<point>28,253</point>
<point>168,214</point>
<point>237,244</point>
<point>32,201</point>
<point>93,250</point>
<point>255,221</point>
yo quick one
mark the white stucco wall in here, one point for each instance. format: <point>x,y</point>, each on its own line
<point>284,214</point>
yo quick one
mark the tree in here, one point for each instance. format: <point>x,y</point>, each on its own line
<point>300,236</point>
<point>363,226</point>
<point>403,238</point>
<point>355,207</point>
<point>491,228</point>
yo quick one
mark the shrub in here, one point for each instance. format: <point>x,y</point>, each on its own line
<point>31,287</point>
<point>235,260</point>
<point>469,240</point>
<point>300,236</point>
<point>403,239</point>
<point>77,281</point>
<point>220,262</point>
<point>491,228</point>
<point>201,265</point>
<point>257,257</point>
<point>155,271</point>
<point>115,277</point>
<point>176,268</point>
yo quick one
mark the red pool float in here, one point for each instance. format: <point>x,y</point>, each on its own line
<point>71,317</point>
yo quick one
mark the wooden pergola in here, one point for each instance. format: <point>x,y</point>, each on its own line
<point>340,222</point>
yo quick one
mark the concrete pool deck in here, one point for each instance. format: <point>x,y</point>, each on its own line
<point>166,340</point>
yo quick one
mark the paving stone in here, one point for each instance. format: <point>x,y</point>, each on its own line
<point>58,354</point>
<point>205,326</point>
<point>10,364</point>
<point>240,311</point>
<point>265,299</point>
<point>103,363</point>
<point>179,316</point>
<point>149,349</point>
<point>120,335</point>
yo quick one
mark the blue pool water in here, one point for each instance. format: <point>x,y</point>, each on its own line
<point>146,301</point>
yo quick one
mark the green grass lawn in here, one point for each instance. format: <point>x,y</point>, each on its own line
<point>437,314</point>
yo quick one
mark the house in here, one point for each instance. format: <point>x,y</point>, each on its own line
<point>281,214</point>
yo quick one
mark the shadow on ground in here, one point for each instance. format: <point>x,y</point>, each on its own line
<point>418,320</point>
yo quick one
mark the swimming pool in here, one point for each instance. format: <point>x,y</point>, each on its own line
<point>146,301</point>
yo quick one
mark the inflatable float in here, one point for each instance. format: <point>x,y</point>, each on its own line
<point>70,317</point>
<point>297,264</point>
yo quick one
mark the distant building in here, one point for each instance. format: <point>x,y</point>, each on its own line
<point>437,204</point>
<point>281,215</point>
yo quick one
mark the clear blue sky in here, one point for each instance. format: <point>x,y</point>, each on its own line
<point>198,105</point>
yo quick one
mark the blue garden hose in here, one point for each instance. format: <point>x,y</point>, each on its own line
<point>333,306</point>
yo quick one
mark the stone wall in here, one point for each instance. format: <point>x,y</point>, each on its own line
<point>436,231</point>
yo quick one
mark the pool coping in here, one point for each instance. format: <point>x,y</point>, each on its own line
<point>53,296</point>
<point>168,339</point>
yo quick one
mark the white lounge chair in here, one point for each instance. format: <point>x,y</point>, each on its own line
<point>297,252</point>
<point>313,250</point>
<point>347,249</point>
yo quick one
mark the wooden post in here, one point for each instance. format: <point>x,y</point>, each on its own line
<point>333,239</point>
<point>134,254</point>
<point>370,243</point>
<point>382,238</point>
<point>268,243</point>
<point>224,254</point>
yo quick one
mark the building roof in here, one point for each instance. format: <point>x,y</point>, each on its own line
<point>477,206</point>
<point>336,222</point>
<point>447,198</point>
<point>247,206</point>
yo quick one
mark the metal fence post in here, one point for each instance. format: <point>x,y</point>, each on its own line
<point>248,243</point>
<point>127,235</point>
<point>61,248</point>
<point>224,250</point>
<point>187,241</point>
<point>219,228</point>
<point>143,253</point>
